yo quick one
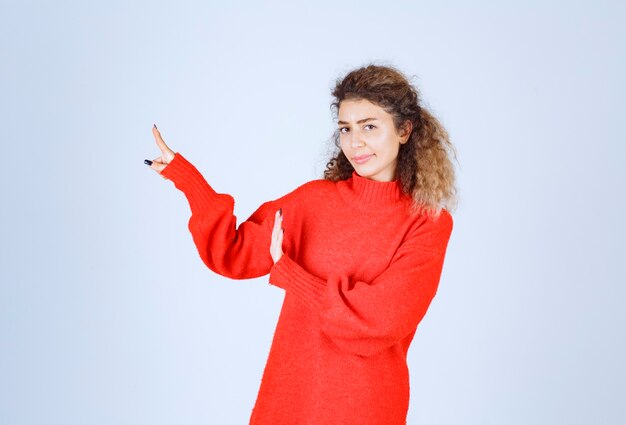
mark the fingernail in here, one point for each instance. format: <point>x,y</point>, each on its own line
<point>147,161</point>
<point>154,125</point>
<point>280,211</point>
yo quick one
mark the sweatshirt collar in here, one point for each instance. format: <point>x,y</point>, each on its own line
<point>372,192</point>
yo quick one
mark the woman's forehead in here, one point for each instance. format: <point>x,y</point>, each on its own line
<point>359,111</point>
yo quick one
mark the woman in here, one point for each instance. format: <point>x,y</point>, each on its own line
<point>359,254</point>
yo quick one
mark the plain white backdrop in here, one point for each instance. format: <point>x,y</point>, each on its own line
<point>109,316</point>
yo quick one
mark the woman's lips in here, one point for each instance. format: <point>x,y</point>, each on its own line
<point>362,159</point>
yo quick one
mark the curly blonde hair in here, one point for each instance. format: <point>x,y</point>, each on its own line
<point>424,169</point>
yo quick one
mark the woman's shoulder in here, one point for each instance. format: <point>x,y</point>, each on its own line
<point>432,229</point>
<point>308,193</point>
<point>313,188</point>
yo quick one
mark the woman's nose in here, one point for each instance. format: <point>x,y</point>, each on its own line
<point>357,140</point>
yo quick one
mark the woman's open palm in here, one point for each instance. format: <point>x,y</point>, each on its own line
<point>276,246</point>
<point>158,164</point>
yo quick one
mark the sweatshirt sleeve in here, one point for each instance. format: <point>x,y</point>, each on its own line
<point>235,252</point>
<point>373,316</point>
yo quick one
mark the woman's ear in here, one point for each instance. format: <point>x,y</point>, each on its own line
<point>405,132</point>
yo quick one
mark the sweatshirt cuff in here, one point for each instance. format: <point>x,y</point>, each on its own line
<point>188,179</point>
<point>290,276</point>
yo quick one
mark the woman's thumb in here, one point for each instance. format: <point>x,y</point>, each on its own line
<point>156,164</point>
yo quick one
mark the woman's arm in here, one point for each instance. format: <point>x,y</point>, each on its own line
<point>373,316</point>
<point>235,252</point>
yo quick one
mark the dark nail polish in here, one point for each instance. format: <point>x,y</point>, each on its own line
<point>280,211</point>
<point>155,126</point>
<point>147,161</point>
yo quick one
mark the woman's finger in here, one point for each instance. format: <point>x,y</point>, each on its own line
<point>276,246</point>
<point>277,225</point>
<point>157,136</point>
<point>168,154</point>
<point>158,165</point>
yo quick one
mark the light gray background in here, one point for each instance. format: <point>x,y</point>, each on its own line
<point>108,315</point>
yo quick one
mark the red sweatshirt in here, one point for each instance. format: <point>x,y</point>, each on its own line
<point>359,273</point>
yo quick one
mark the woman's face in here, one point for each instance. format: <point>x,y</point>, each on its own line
<point>366,129</point>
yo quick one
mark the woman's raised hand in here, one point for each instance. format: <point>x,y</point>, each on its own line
<point>158,164</point>
<point>276,246</point>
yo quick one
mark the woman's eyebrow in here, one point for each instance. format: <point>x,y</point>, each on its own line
<point>359,121</point>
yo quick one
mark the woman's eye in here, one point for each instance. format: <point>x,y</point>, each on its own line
<point>341,130</point>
